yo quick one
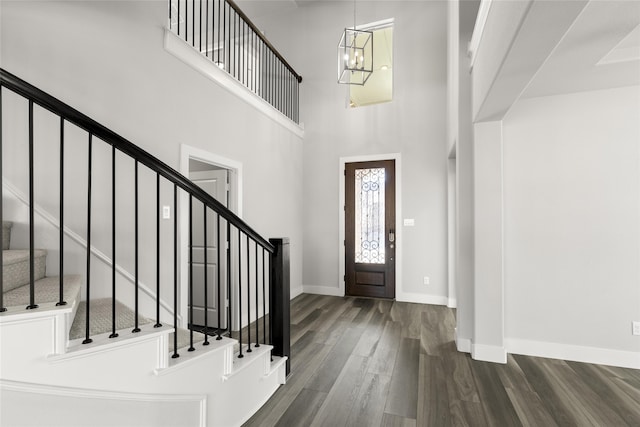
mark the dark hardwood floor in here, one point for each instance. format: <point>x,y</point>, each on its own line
<point>366,362</point>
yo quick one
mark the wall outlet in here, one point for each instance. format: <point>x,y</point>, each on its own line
<point>426,280</point>
<point>166,212</point>
<point>636,328</point>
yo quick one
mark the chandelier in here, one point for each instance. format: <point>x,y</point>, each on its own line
<point>355,55</point>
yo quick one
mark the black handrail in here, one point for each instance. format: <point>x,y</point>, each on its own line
<point>264,39</point>
<point>94,128</point>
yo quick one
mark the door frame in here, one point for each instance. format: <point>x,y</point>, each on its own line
<point>235,205</point>
<point>341,216</point>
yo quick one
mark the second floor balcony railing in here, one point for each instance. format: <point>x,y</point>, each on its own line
<point>225,35</point>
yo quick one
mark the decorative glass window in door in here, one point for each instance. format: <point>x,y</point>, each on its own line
<point>369,216</point>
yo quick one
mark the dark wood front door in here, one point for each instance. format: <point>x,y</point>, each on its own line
<point>370,216</point>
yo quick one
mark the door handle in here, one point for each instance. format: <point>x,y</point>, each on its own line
<point>392,236</point>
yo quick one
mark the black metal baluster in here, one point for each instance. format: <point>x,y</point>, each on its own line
<point>175,273</point>
<point>200,25</point>
<point>248,299</point>
<point>206,28</point>
<point>225,49</point>
<point>32,274</point>
<point>2,307</point>
<point>229,295</point>
<point>61,300</point>
<point>264,298</point>
<point>113,242</point>
<point>191,348</point>
<point>193,23</point>
<point>240,356</point>
<point>178,22</point>
<point>136,328</point>
<point>218,43</point>
<point>186,20</point>
<point>206,281</point>
<point>218,281</point>
<point>170,22</point>
<point>88,340</point>
<point>257,301</point>
<point>158,324</point>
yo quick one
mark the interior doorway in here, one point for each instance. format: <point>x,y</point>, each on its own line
<point>222,179</point>
<point>370,229</point>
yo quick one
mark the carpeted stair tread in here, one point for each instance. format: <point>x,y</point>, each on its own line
<point>15,267</point>
<point>184,339</point>
<point>101,318</point>
<point>6,234</point>
<point>47,290</point>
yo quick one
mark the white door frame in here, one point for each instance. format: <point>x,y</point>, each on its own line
<point>235,205</point>
<point>341,204</point>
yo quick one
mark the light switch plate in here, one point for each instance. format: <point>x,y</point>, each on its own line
<point>166,212</point>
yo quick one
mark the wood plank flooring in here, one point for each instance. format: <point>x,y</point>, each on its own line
<point>366,362</point>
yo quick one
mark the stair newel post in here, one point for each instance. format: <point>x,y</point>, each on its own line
<point>114,334</point>
<point>175,272</point>
<point>87,339</point>
<point>279,297</point>
<point>32,273</point>
<point>136,221</point>
<point>2,307</point>
<point>158,324</point>
<point>61,300</point>
<point>191,348</point>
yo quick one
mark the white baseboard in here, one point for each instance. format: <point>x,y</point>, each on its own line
<point>489,353</point>
<point>421,298</point>
<point>322,290</point>
<point>294,292</point>
<point>463,345</point>
<point>452,303</point>
<point>600,356</point>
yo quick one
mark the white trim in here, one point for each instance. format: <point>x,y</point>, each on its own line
<point>235,176</point>
<point>463,345</point>
<point>452,303</point>
<point>577,353</point>
<point>341,202</point>
<point>190,56</point>
<point>101,256</point>
<point>377,25</point>
<point>478,30</point>
<point>83,393</point>
<point>294,292</point>
<point>489,353</point>
<point>324,290</point>
<point>421,298</point>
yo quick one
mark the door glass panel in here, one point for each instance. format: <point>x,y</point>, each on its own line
<point>369,216</point>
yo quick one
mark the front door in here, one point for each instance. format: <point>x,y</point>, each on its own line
<point>370,243</point>
<point>213,182</point>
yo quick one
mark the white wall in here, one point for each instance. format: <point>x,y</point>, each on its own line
<point>572,228</point>
<point>413,125</point>
<point>107,60</point>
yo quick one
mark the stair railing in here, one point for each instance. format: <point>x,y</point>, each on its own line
<point>222,32</point>
<point>257,290</point>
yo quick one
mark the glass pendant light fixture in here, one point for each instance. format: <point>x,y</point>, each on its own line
<point>355,55</point>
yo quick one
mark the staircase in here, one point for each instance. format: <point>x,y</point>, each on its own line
<point>66,359</point>
<point>131,380</point>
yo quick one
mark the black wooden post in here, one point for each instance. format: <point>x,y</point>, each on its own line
<point>279,317</point>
